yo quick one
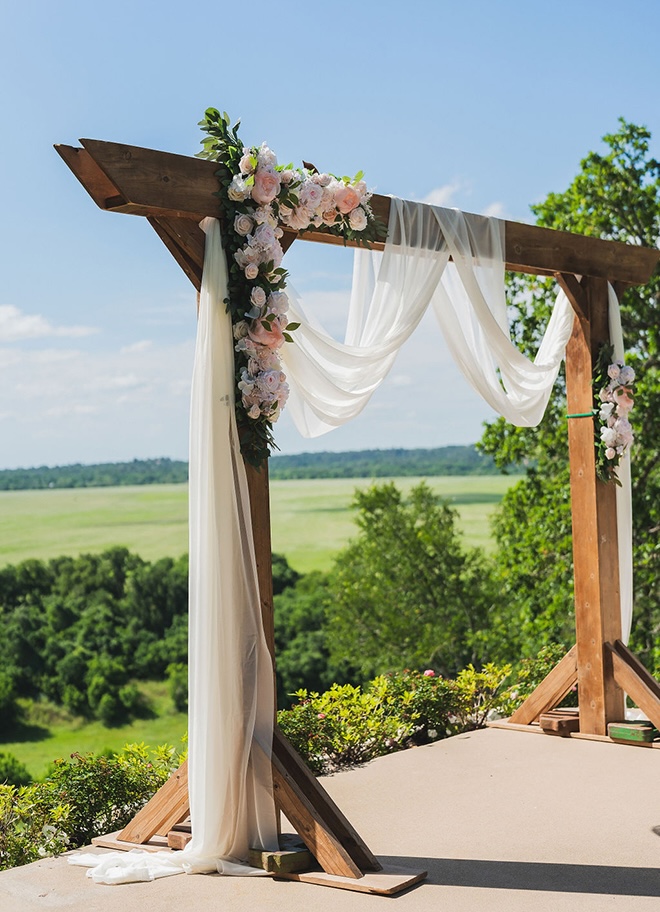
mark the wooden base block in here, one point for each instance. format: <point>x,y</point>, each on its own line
<point>632,731</point>
<point>112,841</point>
<point>293,857</point>
<point>560,722</point>
<point>391,879</point>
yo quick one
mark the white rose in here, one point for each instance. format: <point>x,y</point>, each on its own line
<point>311,195</point>
<point>626,376</point>
<point>258,296</point>
<point>251,271</point>
<point>243,224</point>
<point>299,219</point>
<point>278,302</point>
<point>322,179</point>
<point>246,164</point>
<point>264,237</point>
<point>613,371</point>
<point>266,157</point>
<point>358,219</point>
<point>610,453</point>
<point>240,330</point>
<point>238,189</point>
<point>287,176</point>
<point>608,436</point>
<point>254,412</point>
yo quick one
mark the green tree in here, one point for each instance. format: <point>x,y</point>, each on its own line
<point>406,592</point>
<point>615,195</point>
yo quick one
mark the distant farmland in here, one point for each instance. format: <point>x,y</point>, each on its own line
<point>311,518</point>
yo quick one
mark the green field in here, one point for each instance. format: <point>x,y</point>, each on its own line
<point>311,518</point>
<point>49,735</point>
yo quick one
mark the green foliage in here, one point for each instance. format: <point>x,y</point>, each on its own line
<point>177,678</point>
<point>616,195</point>
<point>406,591</point>
<point>33,824</point>
<point>104,793</point>
<point>81,798</point>
<point>449,460</point>
<point>303,658</point>
<point>348,725</point>
<point>12,771</point>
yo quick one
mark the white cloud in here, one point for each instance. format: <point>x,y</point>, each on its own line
<point>136,347</point>
<point>443,196</point>
<point>16,326</point>
<point>495,210</point>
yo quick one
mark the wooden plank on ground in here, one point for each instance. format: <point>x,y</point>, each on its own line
<point>551,691</point>
<point>391,879</point>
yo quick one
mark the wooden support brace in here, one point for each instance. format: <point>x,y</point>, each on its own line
<point>550,692</point>
<point>635,680</point>
<point>168,807</point>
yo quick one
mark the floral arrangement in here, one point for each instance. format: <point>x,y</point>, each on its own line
<point>613,380</point>
<point>259,200</point>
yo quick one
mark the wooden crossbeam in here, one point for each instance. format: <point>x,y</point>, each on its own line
<point>129,179</point>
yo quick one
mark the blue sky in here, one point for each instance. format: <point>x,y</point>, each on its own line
<point>483,105</point>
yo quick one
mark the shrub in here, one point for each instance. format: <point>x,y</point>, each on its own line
<point>348,725</point>
<point>104,793</point>
<point>12,771</point>
<point>33,824</point>
<point>177,678</point>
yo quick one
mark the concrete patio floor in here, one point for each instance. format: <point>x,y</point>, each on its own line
<point>502,820</point>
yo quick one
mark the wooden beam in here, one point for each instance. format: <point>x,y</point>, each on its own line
<point>146,182</point>
<point>574,292</point>
<point>550,692</point>
<point>260,514</point>
<point>164,810</point>
<point>595,548</point>
<point>326,832</point>
<point>635,680</point>
<point>185,241</point>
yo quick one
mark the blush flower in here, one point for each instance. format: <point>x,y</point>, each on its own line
<point>346,199</point>
<point>266,186</point>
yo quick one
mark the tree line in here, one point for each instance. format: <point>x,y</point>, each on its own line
<point>449,460</point>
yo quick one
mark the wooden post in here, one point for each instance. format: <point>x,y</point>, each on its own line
<point>595,547</point>
<point>260,512</point>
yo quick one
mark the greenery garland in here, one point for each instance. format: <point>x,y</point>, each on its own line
<point>259,199</point>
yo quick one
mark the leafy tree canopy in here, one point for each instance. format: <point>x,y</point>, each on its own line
<point>616,196</point>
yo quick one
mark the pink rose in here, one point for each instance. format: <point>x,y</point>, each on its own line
<point>251,271</point>
<point>266,186</point>
<point>272,338</point>
<point>624,402</point>
<point>346,199</point>
<point>429,673</point>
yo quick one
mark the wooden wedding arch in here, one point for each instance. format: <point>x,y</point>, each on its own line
<point>175,193</point>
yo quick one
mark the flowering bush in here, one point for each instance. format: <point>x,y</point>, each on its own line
<point>259,199</point>
<point>613,380</point>
<point>348,725</point>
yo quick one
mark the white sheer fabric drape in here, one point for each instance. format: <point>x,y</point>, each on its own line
<point>331,382</point>
<point>231,693</point>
